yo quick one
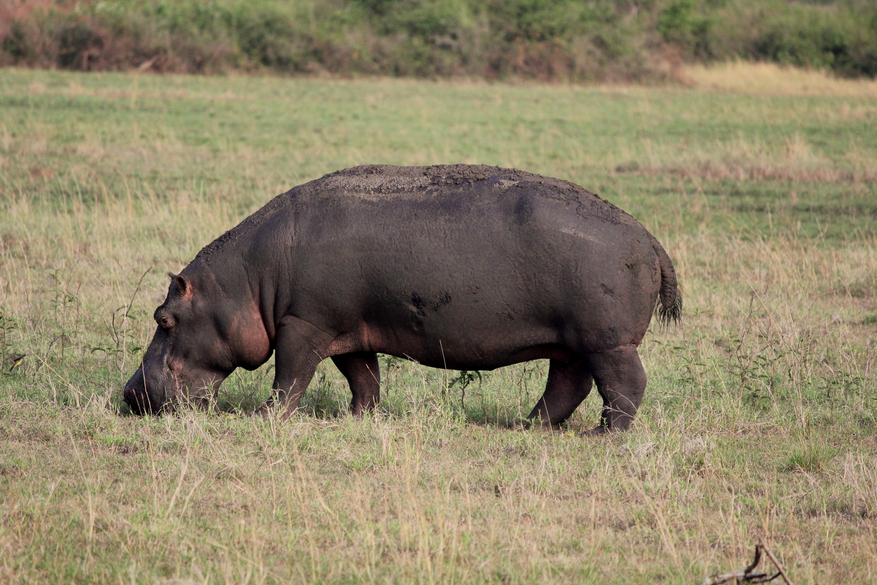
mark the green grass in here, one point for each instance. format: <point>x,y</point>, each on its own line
<point>760,419</point>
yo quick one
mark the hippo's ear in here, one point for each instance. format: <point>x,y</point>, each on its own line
<point>183,286</point>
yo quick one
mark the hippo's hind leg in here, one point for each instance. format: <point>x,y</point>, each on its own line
<point>364,377</point>
<point>621,381</point>
<point>569,383</point>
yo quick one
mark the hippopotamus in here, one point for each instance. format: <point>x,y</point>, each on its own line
<point>453,266</point>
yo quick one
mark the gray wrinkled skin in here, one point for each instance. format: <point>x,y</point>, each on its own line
<point>463,267</point>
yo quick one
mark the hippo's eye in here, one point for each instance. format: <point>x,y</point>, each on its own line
<point>165,322</point>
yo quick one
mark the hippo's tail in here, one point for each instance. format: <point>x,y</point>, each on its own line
<point>669,307</point>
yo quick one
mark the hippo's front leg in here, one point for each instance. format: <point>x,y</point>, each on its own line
<point>364,377</point>
<point>298,348</point>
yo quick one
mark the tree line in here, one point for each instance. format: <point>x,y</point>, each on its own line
<point>575,40</point>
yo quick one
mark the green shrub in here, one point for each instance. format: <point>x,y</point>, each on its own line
<point>837,36</point>
<point>75,41</point>
<point>681,24</point>
<point>16,43</point>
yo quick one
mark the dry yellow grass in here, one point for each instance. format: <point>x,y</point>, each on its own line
<point>772,79</point>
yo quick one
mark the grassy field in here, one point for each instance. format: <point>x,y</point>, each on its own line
<point>760,419</point>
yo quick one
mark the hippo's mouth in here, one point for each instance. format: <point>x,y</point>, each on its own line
<point>138,402</point>
<point>137,397</point>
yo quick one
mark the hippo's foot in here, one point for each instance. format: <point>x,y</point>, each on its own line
<point>264,411</point>
<point>268,410</point>
<point>597,431</point>
<point>523,424</point>
<point>537,424</point>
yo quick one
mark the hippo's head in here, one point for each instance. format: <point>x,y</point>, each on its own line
<point>196,346</point>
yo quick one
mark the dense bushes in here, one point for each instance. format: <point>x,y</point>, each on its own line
<point>837,36</point>
<point>541,39</point>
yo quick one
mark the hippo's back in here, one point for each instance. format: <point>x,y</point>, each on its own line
<point>437,183</point>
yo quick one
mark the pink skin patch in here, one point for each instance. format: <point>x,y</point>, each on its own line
<point>248,340</point>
